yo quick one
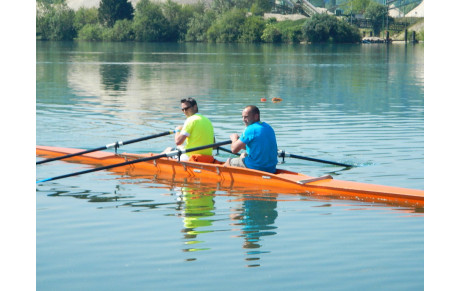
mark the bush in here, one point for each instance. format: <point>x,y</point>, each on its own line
<point>121,31</point>
<point>199,25</point>
<point>271,34</point>
<point>85,16</point>
<point>252,29</point>
<point>291,31</point>
<point>324,28</point>
<point>228,27</point>
<point>55,22</point>
<point>376,13</point>
<point>91,32</point>
<point>149,23</point>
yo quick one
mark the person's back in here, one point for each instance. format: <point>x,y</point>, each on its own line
<point>259,140</point>
<point>261,147</point>
<point>199,132</point>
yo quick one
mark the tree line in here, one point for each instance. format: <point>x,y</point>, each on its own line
<point>223,21</point>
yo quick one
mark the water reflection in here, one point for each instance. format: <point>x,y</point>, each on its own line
<point>197,208</point>
<point>115,73</point>
<point>256,217</point>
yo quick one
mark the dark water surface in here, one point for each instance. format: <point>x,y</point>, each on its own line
<point>359,104</point>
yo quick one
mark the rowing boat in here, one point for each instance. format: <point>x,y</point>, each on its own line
<point>282,181</point>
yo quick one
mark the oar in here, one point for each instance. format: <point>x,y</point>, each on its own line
<point>112,145</point>
<point>170,154</point>
<point>226,150</point>
<point>283,154</point>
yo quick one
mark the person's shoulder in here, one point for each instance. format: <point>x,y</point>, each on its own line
<point>202,117</point>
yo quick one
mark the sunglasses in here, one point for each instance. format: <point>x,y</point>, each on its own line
<point>185,108</point>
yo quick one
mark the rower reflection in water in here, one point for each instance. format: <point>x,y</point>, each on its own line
<point>257,219</point>
<point>197,209</point>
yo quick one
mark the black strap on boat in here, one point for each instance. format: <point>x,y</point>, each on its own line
<point>179,152</point>
<point>282,154</point>
<point>315,179</point>
<point>117,145</point>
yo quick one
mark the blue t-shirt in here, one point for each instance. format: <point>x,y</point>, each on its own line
<point>261,147</point>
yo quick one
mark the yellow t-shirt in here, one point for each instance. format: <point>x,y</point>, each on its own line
<point>199,132</point>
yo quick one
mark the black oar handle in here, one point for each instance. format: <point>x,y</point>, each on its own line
<point>112,145</point>
<point>172,153</point>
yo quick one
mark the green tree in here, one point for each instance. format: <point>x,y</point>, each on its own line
<point>252,29</point>
<point>271,34</point>
<point>377,14</point>
<point>149,23</point>
<point>85,16</point>
<point>122,30</point>
<point>227,27</point>
<point>178,17</point>
<point>91,32</point>
<point>222,6</point>
<point>198,26</point>
<point>325,28</point>
<point>55,22</point>
<point>112,10</point>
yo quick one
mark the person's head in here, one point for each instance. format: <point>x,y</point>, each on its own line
<point>250,115</point>
<point>189,106</point>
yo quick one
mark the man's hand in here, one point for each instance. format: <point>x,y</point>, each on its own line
<point>234,137</point>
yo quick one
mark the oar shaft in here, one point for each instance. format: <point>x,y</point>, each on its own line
<point>115,144</point>
<point>173,153</point>
<point>313,159</point>
<point>227,150</point>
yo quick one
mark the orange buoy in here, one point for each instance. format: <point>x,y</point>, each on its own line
<point>276,99</point>
<point>263,99</point>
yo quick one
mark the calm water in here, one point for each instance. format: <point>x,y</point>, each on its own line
<point>359,104</point>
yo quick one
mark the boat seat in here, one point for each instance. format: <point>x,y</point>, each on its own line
<point>204,159</point>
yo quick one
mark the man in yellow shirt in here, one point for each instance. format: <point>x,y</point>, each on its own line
<point>196,131</point>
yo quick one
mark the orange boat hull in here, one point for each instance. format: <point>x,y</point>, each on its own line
<point>283,181</point>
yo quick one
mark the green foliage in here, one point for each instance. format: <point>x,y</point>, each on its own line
<point>222,6</point>
<point>324,28</point>
<point>356,6</point>
<point>149,23</point>
<point>260,6</point>
<point>227,27</point>
<point>252,29</point>
<point>121,31</point>
<point>51,2</point>
<point>271,34</point>
<point>199,25</point>
<point>291,31</point>
<point>112,10</point>
<point>55,22</point>
<point>91,32</point>
<point>178,17</point>
<point>376,13</point>
<point>85,16</point>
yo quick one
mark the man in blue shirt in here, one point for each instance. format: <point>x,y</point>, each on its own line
<point>259,140</point>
